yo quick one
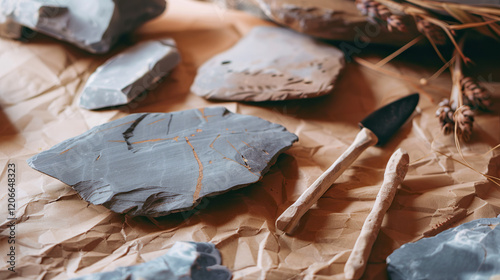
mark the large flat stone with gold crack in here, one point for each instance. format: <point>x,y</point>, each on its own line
<point>270,63</point>
<point>152,164</point>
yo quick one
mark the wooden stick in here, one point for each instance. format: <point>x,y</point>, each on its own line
<point>289,219</point>
<point>394,174</point>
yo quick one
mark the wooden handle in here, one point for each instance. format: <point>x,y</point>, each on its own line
<point>289,219</point>
<point>394,174</point>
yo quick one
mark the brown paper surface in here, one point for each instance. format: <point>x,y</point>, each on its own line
<point>58,235</point>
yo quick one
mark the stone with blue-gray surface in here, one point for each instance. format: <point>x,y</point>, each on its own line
<point>152,164</point>
<point>184,261</point>
<point>93,25</point>
<point>468,252</point>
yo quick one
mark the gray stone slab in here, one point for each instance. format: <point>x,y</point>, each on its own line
<point>93,25</point>
<point>270,63</point>
<point>152,164</point>
<point>184,261</point>
<point>126,75</point>
<point>469,251</point>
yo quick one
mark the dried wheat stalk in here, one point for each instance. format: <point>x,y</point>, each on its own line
<point>475,96</point>
<point>457,113</point>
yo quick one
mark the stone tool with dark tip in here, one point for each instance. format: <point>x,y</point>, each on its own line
<point>376,129</point>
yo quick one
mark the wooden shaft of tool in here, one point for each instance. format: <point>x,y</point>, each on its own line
<point>394,174</point>
<point>289,219</point>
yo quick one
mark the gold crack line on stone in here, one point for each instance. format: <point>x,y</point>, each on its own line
<point>250,146</point>
<point>212,144</point>
<point>65,151</point>
<point>156,121</point>
<point>205,117</point>
<point>196,194</point>
<point>151,140</point>
<point>244,159</point>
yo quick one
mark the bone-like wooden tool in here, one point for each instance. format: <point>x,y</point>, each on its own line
<point>377,128</point>
<point>394,174</point>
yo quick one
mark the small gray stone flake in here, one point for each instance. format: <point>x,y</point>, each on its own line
<point>468,252</point>
<point>93,25</point>
<point>126,75</point>
<point>153,164</point>
<point>270,63</point>
<point>184,261</point>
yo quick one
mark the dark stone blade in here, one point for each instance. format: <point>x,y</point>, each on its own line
<point>185,260</point>
<point>385,121</point>
<point>152,164</point>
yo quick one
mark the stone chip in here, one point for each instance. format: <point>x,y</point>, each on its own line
<point>469,251</point>
<point>126,75</point>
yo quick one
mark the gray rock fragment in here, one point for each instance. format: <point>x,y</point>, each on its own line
<point>270,63</point>
<point>468,252</point>
<point>93,25</point>
<point>335,20</point>
<point>152,164</point>
<point>184,261</point>
<point>128,74</point>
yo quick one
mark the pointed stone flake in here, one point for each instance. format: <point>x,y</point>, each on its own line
<point>184,261</point>
<point>126,75</point>
<point>93,25</point>
<point>270,63</point>
<point>469,251</point>
<point>153,164</point>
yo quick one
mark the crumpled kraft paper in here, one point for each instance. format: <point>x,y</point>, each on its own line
<point>58,235</point>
